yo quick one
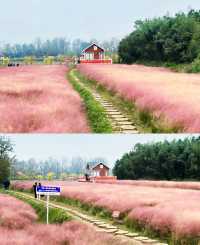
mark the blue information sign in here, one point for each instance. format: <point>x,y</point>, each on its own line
<point>48,190</point>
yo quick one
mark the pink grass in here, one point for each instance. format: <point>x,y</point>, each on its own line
<point>18,226</point>
<point>164,209</point>
<point>70,233</point>
<point>174,96</point>
<point>39,99</point>
<point>15,214</point>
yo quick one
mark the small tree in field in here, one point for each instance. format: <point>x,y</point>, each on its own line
<point>48,60</point>
<point>5,61</point>
<point>5,160</point>
<point>29,60</point>
<point>61,59</point>
<point>39,177</point>
<point>51,176</point>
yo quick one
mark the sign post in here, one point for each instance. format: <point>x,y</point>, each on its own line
<point>47,191</point>
<point>47,210</point>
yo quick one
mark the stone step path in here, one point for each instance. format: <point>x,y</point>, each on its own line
<point>101,226</point>
<point>119,121</point>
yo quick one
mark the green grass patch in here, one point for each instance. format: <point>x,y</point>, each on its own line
<point>144,120</point>
<point>97,117</point>
<point>56,216</point>
<point>93,210</point>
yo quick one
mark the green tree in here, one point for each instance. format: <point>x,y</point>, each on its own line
<point>165,39</point>
<point>51,176</point>
<point>176,160</point>
<point>6,148</point>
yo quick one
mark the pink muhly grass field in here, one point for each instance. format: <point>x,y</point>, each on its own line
<point>163,209</point>
<point>164,184</point>
<point>18,226</point>
<point>71,233</point>
<point>174,96</point>
<point>15,214</point>
<point>39,99</point>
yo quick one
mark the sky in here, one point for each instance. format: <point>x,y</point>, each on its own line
<point>110,147</point>
<point>25,20</point>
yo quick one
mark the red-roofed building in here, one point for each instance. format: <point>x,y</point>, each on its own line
<point>94,54</point>
<point>100,170</point>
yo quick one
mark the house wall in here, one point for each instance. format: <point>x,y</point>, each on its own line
<point>101,171</point>
<point>89,56</point>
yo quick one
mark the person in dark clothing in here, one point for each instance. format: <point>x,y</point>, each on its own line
<point>35,189</point>
<point>6,184</point>
<point>40,185</point>
<point>87,173</point>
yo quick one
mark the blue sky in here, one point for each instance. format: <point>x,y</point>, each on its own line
<point>111,147</point>
<point>25,20</point>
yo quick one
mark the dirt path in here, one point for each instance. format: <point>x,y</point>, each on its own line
<point>120,122</point>
<point>99,225</point>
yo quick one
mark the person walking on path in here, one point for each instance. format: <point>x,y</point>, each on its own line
<point>35,189</point>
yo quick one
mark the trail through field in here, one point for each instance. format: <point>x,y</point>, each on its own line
<point>172,96</point>
<point>101,226</point>
<point>39,99</point>
<point>120,122</point>
<point>162,209</point>
<point>23,219</point>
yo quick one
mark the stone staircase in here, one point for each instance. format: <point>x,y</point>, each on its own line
<point>120,122</point>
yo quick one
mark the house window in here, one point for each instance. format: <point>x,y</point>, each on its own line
<point>95,48</point>
<point>89,56</point>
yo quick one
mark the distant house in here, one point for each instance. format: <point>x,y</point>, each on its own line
<point>94,54</point>
<point>100,170</point>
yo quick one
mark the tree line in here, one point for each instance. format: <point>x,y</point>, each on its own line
<point>54,47</point>
<point>166,39</point>
<point>50,168</point>
<point>31,169</point>
<point>176,160</point>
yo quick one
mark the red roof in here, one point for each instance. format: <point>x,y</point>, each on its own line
<point>92,46</point>
<point>99,165</point>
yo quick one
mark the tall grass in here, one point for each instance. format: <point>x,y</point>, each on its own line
<point>168,95</point>
<point>15,214</point>
<point>163,211</point>
<point>18,226</point>
<point>39,99</point>
<point>143,119</point>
